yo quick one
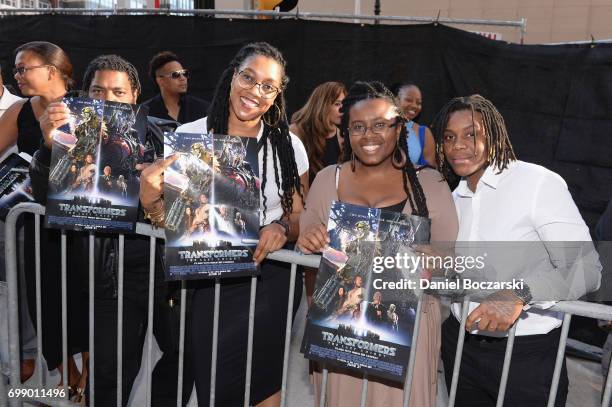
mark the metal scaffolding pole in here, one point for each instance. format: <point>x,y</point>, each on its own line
<point>522,24</point>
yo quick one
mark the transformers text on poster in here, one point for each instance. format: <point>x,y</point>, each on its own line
<point>93,183</point>
<point>211,195</point>
<point>353,321</point>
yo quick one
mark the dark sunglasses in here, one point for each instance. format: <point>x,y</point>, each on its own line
<point>176,74</point>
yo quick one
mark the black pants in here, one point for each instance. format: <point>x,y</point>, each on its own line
<point>164,375</point>
<point>531,368</point>
<point>51,293</point>
<point>135,318</point>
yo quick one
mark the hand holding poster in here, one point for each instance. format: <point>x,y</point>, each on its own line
<point>355,321</point>
<point>211,195</point>
<point>93,183</point>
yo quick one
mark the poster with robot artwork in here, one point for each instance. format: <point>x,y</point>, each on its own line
<point>93,183</point>
<point>362,314</point>
<point>211,195</point>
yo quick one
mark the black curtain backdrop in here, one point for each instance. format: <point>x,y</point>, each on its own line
<point>557,100</point>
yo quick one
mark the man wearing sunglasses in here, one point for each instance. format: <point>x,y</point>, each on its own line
<point>173,102</point>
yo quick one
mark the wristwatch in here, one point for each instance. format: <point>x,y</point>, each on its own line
<point>524,294</point>
<point>284,224</point>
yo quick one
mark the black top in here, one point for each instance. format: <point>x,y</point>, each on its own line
<point>29,135</point>
<point>398,207</point>
<point>330,155</point>
<point>190,108</point>
<point>332,151</point>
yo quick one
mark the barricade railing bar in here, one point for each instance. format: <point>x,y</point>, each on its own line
<point>569,308</point>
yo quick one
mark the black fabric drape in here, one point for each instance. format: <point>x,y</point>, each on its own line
<point>557,100</point>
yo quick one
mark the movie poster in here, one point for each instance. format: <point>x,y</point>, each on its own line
<point>15,186</point>
<point>211,195</point>
<point>93,183</point>
<point>355,320</point>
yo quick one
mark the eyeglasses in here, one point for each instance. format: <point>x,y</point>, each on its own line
<point>378,128</point>
<point>176,74</point>
<point>22,69</point>
<point>247,81</point>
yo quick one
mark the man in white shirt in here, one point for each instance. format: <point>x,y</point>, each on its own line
<point>6,97</point>
<point>501,199</point>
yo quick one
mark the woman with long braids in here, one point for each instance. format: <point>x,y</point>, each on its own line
<point>376,173</point>
<point>248,102</point>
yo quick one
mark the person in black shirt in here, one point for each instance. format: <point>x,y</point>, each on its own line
<point>111,78</point>
<point>173,102</point>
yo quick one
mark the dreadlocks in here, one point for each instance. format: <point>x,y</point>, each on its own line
<point>376,90</point>
<point>111,63</point>
<point>500,151</point>
<point>276,127</point>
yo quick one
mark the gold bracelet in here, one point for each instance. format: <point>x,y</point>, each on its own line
<point>158,216</point>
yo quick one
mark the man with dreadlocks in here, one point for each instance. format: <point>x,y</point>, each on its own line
<point>376,173</point>
<point>249,102</point>
<point>112,78</point>
<point>502,199</point>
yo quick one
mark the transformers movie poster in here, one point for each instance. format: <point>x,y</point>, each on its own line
<point>15,186</point>
<point>356,320</point>
<point>93,183</point>
<point>211,195</point>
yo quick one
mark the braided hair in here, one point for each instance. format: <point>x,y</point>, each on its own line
<point>276,126</point>
<point>499,149</point>
<point>376,90</point>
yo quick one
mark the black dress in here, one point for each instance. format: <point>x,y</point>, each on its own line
<point>268,338</point>
<point>29,139</point>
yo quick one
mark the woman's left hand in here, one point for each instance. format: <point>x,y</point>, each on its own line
<point>271,238</point>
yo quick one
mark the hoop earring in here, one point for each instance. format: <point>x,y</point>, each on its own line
<point>278,117</point>
<point>401,162</point>
<point>352,161</point>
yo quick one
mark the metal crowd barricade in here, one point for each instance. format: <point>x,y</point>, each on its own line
<point>569,308</point>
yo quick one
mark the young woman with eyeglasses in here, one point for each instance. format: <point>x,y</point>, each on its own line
<point>248,102</point>
<point>43,73</point>
<point>376,173</point>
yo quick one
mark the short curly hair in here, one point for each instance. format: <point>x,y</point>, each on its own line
<point>111,63</point>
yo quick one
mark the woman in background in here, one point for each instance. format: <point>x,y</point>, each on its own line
<point>316,124</point>
<point>43,73</point>
<point>421,144</point>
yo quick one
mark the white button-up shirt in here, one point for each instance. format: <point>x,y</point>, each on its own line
<point>526,203</point>
<point>7,100</point>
